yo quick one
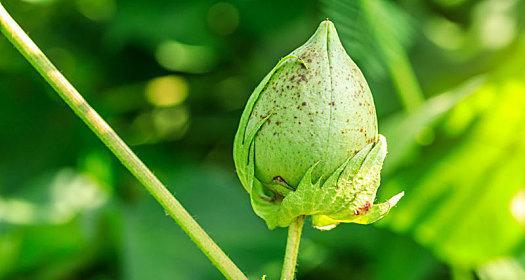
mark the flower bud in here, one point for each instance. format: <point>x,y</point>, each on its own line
<point>307,142</point>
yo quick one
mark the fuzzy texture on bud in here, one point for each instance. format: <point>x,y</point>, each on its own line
<point>307,143</point>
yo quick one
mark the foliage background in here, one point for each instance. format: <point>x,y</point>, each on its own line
<point>172,78</point>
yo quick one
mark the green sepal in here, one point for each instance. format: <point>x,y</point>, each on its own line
<point>375,213</point>
<point>347,195</point>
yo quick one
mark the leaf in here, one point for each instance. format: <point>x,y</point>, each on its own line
<point>55,198</point>
<point>505,268</point>
<point>404,128</point>
<point>375,33</point>
<point>471,185</point>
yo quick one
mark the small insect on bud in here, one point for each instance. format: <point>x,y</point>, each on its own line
<point>307,142</point>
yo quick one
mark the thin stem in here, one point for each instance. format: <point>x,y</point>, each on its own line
<point>292,248</point>
<point>105,133</point>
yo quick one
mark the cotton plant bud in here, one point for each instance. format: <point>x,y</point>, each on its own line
<point>307,142</point>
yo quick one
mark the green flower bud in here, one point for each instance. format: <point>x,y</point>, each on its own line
<point>307,142</point>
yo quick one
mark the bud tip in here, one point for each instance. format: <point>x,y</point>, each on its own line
<point>327,23</point>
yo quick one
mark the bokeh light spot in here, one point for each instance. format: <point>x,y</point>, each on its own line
<point>496,23</point>
<point>16,211</point>
<point>171,123</point>
<point>498,31</point>
<point>223,18</point>
<point>167,91</point>
<point>97,10</point>
<point>517,206</point>
<point>176,56</point>
<point>160,124</point>
<point>444,33</point>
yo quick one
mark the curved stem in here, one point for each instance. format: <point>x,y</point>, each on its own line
<point>292,248</point>
<point>105,133</point>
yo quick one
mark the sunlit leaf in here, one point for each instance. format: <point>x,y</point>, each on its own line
<point>403,129</point>
<point>472,184</point>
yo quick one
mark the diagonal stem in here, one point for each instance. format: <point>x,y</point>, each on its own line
<point>292,248</point>
<point>107,135</point>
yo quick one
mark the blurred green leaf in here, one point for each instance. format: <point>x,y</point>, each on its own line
<point>404,130</point>
<point>375,33</point>
<point>472,184</point>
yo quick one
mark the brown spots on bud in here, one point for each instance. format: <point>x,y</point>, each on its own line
<point>363,209</point>
<point>280,180</point>
<point>303,129</point>
<point>302,77</point>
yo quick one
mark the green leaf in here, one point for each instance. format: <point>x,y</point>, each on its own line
<point>405,127</point>
<point>375,33</point>
<point>472,185</point>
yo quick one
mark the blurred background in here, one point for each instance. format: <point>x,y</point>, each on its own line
<point>172,77</point>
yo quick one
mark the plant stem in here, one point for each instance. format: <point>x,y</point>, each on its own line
<point>292,248</point>
<point>107,135</point>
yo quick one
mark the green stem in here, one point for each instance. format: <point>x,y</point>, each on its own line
<point>105,133</point>
<point>292,248</point>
